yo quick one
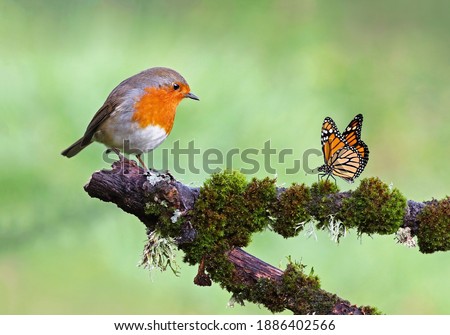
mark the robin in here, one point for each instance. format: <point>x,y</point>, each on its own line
<point>138,114</point>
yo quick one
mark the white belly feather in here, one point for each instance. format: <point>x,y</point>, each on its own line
<point>120,132</point>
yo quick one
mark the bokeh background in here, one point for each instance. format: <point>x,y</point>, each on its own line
<point>263,70</point>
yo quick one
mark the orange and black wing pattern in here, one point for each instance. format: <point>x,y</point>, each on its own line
<point>346,163</point>
<point>345,155</point>
<point>352,135</point>
<point>331,139</point>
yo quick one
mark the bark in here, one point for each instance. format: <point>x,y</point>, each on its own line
<point>130,189</point>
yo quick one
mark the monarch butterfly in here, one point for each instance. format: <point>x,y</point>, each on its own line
<point>345,155</point>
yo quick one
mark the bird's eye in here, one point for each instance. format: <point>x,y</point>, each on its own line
<point>176,86</point>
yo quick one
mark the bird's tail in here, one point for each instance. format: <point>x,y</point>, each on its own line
<point>75,148</point>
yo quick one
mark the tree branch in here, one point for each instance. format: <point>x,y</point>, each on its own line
<point>132,191</point>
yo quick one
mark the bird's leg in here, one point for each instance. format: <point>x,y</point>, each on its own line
<point>116,151</point>
<point>119,155</point>
<point>149,172</point>
<point>146,169</point>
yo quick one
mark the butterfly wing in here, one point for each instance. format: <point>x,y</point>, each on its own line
<point>347,163</point>
<point>331,139</point>
<point>363,150</point>
<point>352,133</point>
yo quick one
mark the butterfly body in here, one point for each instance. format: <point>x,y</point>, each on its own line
<point>345,155</point>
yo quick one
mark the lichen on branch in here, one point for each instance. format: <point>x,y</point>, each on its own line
<point>211,225</point>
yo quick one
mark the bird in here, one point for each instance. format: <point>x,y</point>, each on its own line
<point>137,115</point>
<point>345,155</point>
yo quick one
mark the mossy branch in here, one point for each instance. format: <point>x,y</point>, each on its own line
<point>211,225</point>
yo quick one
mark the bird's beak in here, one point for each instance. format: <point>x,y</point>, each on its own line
<point>191,96</point>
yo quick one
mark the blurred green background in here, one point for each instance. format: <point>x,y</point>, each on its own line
<point>263,70</point>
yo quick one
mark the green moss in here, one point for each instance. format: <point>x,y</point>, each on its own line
<point>259,197</point>
<point>228,211</point>
<point>294,277</point>
<point>369,310</point>
<point>295,290</point>
<point>153,209</point>
<point>303,290</point>
<point>291,211</point>
<point>434,226</point>
<point>268,293</point>
<point>164,214</point>
<point>374,208</point>
<point>322,205</point>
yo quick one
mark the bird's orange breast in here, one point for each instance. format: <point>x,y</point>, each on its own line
<point>156,107</point>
